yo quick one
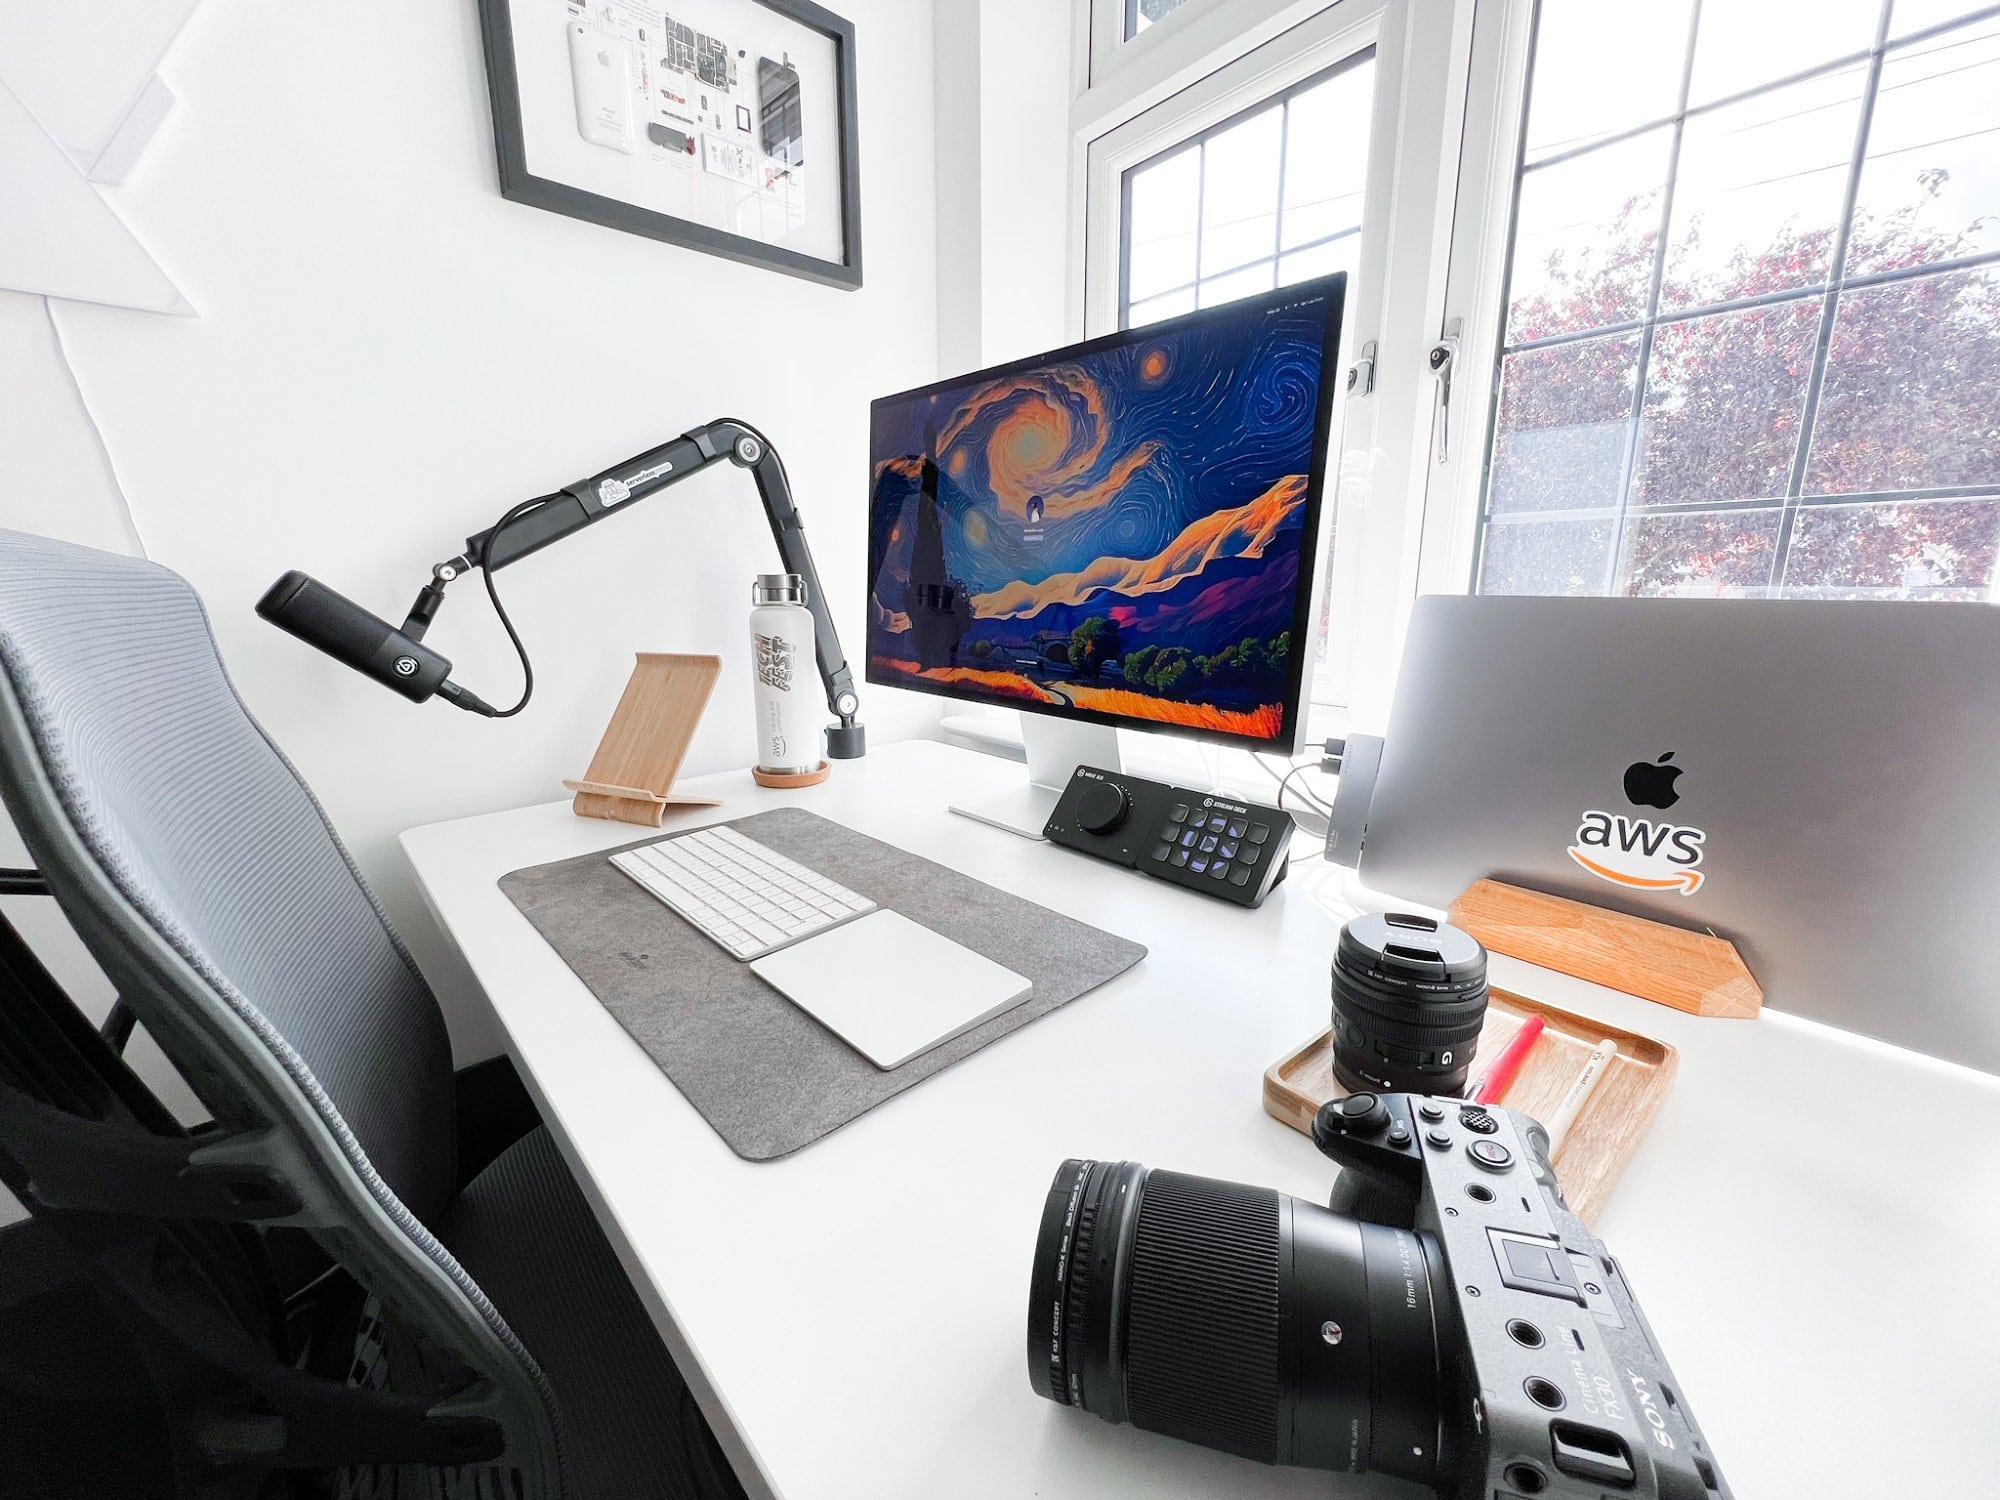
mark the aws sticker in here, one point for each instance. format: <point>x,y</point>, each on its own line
<point>1641,853</point>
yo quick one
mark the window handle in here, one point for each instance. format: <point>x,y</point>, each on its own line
<point>1442,358</point>
<point>1361,374</point>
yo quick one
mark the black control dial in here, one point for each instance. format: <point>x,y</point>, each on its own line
<point>1102,806</point>
<point>1363,1112</point>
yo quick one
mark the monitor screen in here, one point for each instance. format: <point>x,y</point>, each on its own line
<point>1122,531</point>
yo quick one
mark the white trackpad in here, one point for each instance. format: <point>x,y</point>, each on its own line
<point>890,988</point>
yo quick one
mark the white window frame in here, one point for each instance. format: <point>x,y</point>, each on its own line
<point>1210,60</point>
<point>1475,291</point>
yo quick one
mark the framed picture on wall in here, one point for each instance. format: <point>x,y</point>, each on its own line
<point>724,125</point>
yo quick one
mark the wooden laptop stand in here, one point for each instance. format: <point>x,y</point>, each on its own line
<point>631,777</point>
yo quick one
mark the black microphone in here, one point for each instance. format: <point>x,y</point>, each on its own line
<point>303,606</point>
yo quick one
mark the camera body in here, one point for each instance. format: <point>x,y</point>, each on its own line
<point>1549,1381</point>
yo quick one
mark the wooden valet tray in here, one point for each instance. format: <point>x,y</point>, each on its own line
<point>1605,1134</point>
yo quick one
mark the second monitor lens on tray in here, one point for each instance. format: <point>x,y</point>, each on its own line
<point>1409,998</point>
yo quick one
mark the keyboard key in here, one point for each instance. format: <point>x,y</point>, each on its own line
<point>1199,820</point>
<point>1163,851</point>
<point>1180,858</point>
<point>1188,838</point>
<point>1236,829</point>
<point>1241,877</point>
<point>1197,864</point>
<point>1208,843</point>
<point>1228,849</point>
<point>1219,869</point>
<point>1178,814</point>
<point>1258,833</point>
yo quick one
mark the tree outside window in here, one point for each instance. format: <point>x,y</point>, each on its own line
<point>1753,326</point>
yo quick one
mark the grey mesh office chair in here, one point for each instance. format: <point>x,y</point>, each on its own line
<point>315,1302</point>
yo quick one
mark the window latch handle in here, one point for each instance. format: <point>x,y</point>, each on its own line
<point>1361,374</point>
<point>1442,358</point>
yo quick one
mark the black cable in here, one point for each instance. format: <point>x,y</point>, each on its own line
<point>506,624</point>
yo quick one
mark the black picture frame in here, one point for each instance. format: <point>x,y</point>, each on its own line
<point>520,185</point>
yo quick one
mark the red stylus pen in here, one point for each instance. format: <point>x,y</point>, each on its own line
<point>1494,1082</point>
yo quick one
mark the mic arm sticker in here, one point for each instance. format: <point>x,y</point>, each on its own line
<point>1640,854</point>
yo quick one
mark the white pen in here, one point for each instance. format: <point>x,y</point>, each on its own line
<point>1594,1069</point>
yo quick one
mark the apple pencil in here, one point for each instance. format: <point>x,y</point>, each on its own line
<point>1581,1087</point>
<point>1494,1082</point>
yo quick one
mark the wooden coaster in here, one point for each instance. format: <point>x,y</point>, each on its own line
<point>1605,1135</point>
<point>779,780</point>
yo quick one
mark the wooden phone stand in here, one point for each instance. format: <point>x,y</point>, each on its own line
<point>631,777</point>
<point>1690,971</point>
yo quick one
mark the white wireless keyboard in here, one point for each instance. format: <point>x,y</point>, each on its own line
<point>747,898</point>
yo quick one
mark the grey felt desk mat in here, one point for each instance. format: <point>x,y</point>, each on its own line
<point>766,1075</point>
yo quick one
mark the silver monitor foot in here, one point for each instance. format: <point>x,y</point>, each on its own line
<point>1056,747</point>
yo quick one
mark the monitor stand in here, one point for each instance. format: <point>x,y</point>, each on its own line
<point>1055,747</point>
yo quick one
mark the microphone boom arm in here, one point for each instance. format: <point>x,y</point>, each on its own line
<point>618,488</point>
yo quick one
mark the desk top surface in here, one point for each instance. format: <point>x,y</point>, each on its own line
<point>1802,1225</point>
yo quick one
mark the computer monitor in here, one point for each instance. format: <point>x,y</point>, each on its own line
<point>1120,534</point>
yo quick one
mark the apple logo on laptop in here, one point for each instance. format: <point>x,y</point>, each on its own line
<point>1651,784</point>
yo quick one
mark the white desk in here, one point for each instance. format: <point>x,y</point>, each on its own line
<point>1813,1224</point>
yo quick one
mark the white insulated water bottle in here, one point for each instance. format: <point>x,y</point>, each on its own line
<point>782,656</point>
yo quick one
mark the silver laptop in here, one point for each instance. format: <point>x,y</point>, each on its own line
<point>1818,782</point>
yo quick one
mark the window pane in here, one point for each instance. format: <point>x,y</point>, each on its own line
<point>1166,198</point>
<point>1930,189</point>
<point>1545,557</point>
<point>1724,396</point>
<point>1239,198</point>
<point>1236,284</point>
<point>1703,555</point>
<point>1583,246</point>
<point>1925,549</point>
<point>1326,155</point>
<point>1742,43</point>
<point>1139,14</point>
<point>1564,413</point>
<point>1577,99</point>
<point>1758,192</point>
<point>1322,260</point>
<point>1912,390</point>
<point>1172,305</point>
<point>1915,15</point>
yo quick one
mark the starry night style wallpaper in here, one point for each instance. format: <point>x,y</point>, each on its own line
<point>1125,530</point>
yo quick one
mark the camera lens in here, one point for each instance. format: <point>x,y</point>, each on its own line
<point>1235,1317</point>
<point>1409,997</point>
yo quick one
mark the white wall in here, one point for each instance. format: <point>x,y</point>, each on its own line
<point>387,354</point>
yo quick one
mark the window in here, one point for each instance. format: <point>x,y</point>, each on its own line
<point>1750,338</point>
<point>1217,162</point>
<point>1139,14</point>
<point>1265,199</point>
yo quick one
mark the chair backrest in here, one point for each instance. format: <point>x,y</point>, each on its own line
<point>210,833</point>
<point>207,882</point>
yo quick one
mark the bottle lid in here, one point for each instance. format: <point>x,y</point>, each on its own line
<point>778,588</point>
